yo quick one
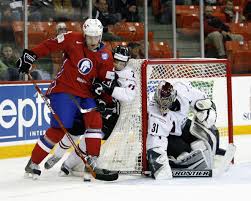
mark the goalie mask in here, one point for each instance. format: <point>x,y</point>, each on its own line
<point>121,57</point>
<point>165,95</point>
<point>93,30</point>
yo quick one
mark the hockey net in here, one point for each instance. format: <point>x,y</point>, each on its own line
<point>125,150</point>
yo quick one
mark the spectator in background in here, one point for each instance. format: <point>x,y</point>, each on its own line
<point>63,9</point>
<point>135,50</point>
<point>8,62</point>
<point>3,69</point>
<point>131,14</point>
<point>207,2</point>
<point>231,14</point>
<point>41,10</point>
<point>118,6</point>
<point>101,12</point>
<point>8,59</point>
<point>165,16</point>
<point>10,11</point>
<point>61,28</point>
<point>80,9</point>
<point>216,32</point>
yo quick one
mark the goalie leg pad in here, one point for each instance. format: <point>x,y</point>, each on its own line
<point>195,160</point>
<point>177,145</point>
<point>159,164</point>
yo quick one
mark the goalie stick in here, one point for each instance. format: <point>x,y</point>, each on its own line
<point>185,173</point>
<point>177,173</point>
<point>182,172</point>
<point>110,176</point>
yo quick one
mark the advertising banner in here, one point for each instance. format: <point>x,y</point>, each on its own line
<point>23,113</point>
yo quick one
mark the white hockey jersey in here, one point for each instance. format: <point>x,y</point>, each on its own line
<point>173,122</point>
<point>126,90</point>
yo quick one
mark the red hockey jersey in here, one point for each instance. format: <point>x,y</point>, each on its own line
<point>80,66</point>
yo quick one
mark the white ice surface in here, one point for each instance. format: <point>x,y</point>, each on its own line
<point>235,184</point>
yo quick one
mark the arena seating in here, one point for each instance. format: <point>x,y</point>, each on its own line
<point>187,18</point>
<point>239,54</point>
<point>130,31</point>
<point>241,28</point>
<point>37,32</point>
<point>156,49</point>
<point>159,50</point>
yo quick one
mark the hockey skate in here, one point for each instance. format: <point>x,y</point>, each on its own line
<point>90,166</point>
<point>51,162</point>
<point>64,170</point>
<point>32,169</point>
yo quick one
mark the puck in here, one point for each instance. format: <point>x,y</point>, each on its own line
<point>87,180</point>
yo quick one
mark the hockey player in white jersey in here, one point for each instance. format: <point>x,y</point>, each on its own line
<point>175,140</point>
<point>121,89</point>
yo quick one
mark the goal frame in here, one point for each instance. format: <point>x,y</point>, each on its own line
<point>178,61</point>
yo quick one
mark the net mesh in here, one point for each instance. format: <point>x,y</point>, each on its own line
<point>123,150</point>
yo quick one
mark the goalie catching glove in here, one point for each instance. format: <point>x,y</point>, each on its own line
<point>24,63</point>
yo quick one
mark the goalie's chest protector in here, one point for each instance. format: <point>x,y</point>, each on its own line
<point>180,117</point>
<point>157,124</point>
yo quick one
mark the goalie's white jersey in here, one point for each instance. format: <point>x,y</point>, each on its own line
<point>126,90</point>
<point>173,122</point>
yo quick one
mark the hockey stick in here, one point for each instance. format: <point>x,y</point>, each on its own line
<point>82,110</point>
<point>105,177</point>
<point>176,172</point>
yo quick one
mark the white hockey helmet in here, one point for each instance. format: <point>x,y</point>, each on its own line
<point>93,27</point>
<point>165,95</point>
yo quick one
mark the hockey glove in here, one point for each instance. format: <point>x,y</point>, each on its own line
<point>105,111</point>
<point>104,87</point>
<point>97,87</point>
<point>101,105</point>
<point>108,86</point>
<point>24,63</point>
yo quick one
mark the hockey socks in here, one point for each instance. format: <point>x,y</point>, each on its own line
<point>64,145</point>
<point>45,144</point>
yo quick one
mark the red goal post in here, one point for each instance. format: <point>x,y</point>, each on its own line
<point>125,149</point>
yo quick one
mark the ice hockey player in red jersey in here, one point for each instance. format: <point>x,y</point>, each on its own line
<point>83,54</point>
<point>124,91</point>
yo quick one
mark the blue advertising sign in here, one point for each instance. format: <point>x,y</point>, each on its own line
<point>23,113</point>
